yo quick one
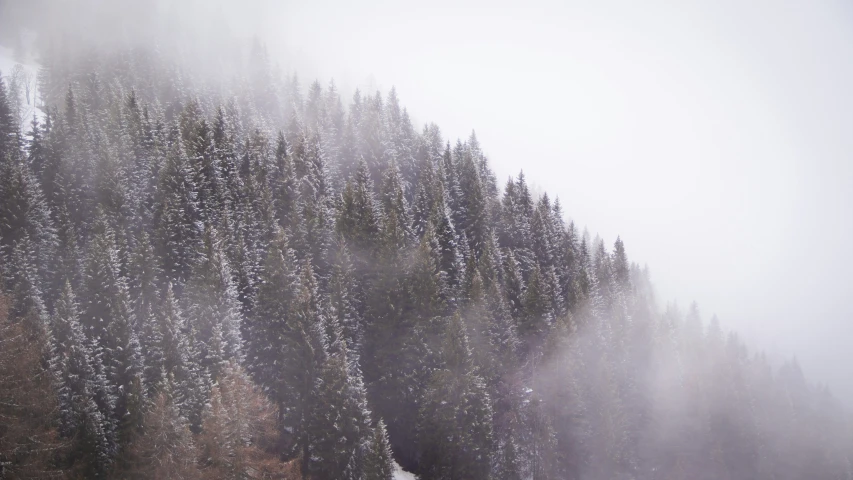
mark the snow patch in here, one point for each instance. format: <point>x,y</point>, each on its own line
<point>400,474</point>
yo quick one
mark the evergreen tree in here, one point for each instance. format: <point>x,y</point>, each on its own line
<point>474,204</point>
<point>9,148</point>
<point>400,349</point>
<point>304,356</point>
<point>621,267</point>
<point>378,462</point>
<point>205,172</point>
<point>344,303</point>
<point>209,227</point>
<point>79,385</point>
<point>337,425</point>
<point>177,214</point>
<point>284,185</point>
<point>213,308</point>
<point>513,287</point>
<point>507,465</point>
<point>24,212</point>
<point>358,219</point>
<point>107,319</point>
<point>394,205</point>
<point>143,286</point>
<point>267,332</point>
<point>177,359</point>
<point>450,258</point>
<point>454,425</point>
<point>538,313</point>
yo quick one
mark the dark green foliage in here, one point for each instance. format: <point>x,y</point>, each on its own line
<point>8,127</point>
<point>358,219</point>
<point>177,213</point>
<point>343,300</point>
<point>213,308</point>
<point>378,459</point>
<point>356,270</point>
<point>266,333</point>
<point>304,356</point>
<point>405,311</point>
<point>537,312</point>
<point>338,425</point>
<point>25,213</point>
<point>454,424</point>
<point>83,419</point>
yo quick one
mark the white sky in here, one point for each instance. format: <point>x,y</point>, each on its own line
<point>714,137</point>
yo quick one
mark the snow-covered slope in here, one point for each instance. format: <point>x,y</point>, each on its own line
<point>400,474</point>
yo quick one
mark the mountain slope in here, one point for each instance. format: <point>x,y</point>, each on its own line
<point>275,283</point>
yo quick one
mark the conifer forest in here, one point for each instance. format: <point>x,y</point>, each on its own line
<point>251,275</point>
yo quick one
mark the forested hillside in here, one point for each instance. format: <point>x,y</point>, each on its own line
<point>252,277</point>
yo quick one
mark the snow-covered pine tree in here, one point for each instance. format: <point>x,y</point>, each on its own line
<point>25,213</point>
<point>266,331</point>
<point>78,386</point>
<point>178,233</point>
<point>378,460</point>
<point>212,305</point>
<point>175,354</point>
<point>337,422</point>
<point>454,422</point>
<point>343,299</point>
<point>304,354</point>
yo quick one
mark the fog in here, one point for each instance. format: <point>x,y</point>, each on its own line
<point>713,137</point>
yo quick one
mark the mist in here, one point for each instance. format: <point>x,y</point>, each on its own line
<point>712,139</point>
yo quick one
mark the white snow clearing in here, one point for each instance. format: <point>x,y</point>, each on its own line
<point>400,474</point>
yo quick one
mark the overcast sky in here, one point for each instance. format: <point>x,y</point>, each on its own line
<point>714,137</point>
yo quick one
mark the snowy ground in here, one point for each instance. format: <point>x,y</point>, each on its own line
<point>400,474</point>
